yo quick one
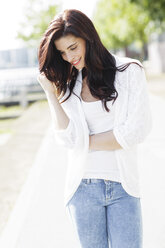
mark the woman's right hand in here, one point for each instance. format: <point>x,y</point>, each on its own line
<point>47,85</point>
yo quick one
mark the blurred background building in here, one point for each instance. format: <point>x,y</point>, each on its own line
<point>18,58</point>
<point>18,73</point>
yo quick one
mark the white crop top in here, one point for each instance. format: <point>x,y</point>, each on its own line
<point>100,164</point>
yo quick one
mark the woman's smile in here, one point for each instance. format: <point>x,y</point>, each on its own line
<point>76,62</point>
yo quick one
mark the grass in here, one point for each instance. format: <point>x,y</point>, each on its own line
<point>8,115</point>
<point>10,108</point>
<point>3,131</point>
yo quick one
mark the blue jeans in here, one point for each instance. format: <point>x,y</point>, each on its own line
<point>105,215</point>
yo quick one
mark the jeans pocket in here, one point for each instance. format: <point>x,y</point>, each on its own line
<point>127,194</point>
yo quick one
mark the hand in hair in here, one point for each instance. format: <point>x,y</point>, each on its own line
<point>47,85</point>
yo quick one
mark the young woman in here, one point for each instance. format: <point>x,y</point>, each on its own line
<point>100,112</point>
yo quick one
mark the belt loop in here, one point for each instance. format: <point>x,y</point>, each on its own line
<point>88,180</point>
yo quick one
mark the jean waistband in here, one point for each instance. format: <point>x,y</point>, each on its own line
<point>96,180</point>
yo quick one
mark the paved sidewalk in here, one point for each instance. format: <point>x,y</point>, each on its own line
<point>156,85</point>
<point>18,153</point>
<point>152,172</point>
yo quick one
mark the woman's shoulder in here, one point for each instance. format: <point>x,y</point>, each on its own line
<point>135,66</point>
<point>132,73</point>
<point>124,60</point>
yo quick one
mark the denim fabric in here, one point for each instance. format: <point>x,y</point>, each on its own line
<point>105,215</point>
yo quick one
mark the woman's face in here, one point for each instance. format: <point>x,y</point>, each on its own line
<point>72,49</point>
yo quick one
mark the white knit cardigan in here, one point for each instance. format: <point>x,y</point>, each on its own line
<point>132,124</point>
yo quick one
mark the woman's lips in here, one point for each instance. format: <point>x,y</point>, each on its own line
<point>76,62</point>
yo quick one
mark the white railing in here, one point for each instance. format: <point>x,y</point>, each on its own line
<point>20,86</point>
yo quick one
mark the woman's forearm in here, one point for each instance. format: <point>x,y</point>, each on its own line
<point>59,117</point>
<point>103,141</point>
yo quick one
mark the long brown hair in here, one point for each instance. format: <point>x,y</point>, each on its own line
<point>100,65</point>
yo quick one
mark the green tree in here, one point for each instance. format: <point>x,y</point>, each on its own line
<point>37,19</point>
<point>155,9</point>
<point>120,23</point>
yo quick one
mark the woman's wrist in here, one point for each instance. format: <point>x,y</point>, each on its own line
<point>50,94</point>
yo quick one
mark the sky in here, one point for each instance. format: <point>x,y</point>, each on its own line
<point>12,13</point>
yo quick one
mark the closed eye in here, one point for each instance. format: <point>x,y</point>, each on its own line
<point>62,53</point>
<point>73,48</point>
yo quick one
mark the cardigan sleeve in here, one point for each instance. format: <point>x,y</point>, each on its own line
<point>138,122</point>
<point>66,137</point>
